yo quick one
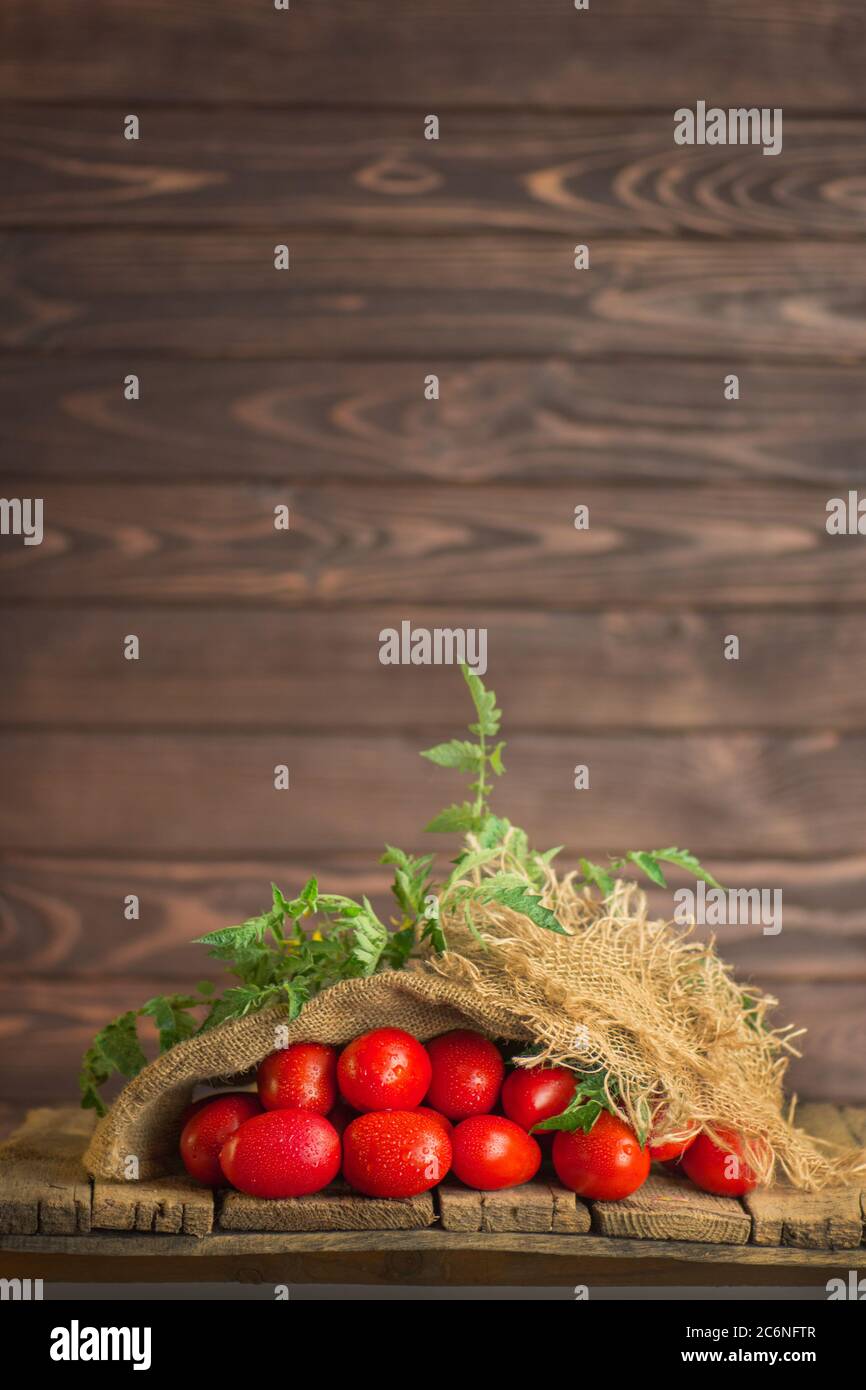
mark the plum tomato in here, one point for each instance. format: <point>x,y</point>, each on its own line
<point>207,1130</point>
<point>677,1138</point>
<point>196,1105</point>
<point>282,1153</point>
<point>491,1152</point>
<point>385,1069</point>
<point>606,1164</point>
<point>395,1153</point>
<point>302,1076</point>
<point>434,1115</point>
<point>467,1074</point>
<point>532,1094</point>
<point>719,1169</point>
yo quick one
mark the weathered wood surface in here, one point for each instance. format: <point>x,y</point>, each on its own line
<point>217,294</point>
<point>782,1216</point>
<point>63,915</point>
<point>170,1206</point>
<point>335,1209</point>
<point>541,1205</point>
<point>732,794</point>
<point>520,420</point>
<point>506,171</point>
<point>671,1208</point>
<point>563,672</point>
<point>650,546</point>
<point>803,55</point>
<point>43,1185</point>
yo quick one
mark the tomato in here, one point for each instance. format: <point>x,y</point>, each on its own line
<point>606,1164</point>
<point>491,1152</point>
<point>386,1069</point>
<point>717,1169</point>
<point>300,1077</point>
<point>196,1105</point>
<point>395,1153</point>
<point>531,1094</point>
<point>282,1153</point>
<point>434,1115</point>
<point>467,1074</point>
<point>207,1130</point>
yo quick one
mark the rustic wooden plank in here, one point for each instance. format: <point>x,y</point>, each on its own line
<point>62,915</point>
<point>43,1185</point>
<point>170,1206</point>
<point>633,670</point>
<point>804,55</point>
<point>671,1208</point>
<point>722,795</point>
<point>535,1206</point>
<point>813,1220</point>
<point>516,171</point>
<point>217,294</point>
<point>335,1209</point>
<point>523,420</point>
<point>646,545</point>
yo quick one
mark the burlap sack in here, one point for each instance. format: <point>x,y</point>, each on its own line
<point>636,998</point>
<point>144,1121</point>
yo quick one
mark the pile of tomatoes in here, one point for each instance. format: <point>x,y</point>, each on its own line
<point>395,1116</point>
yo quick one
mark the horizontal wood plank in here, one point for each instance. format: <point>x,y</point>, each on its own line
<point>648,546</point>
<point>667,1207</point>
<point>530,421</point>
<point>218,294</point>
<point>552,671</point>
<point>169,1207</point>
<point>66,916</point>
<point>206,796</point>
<point>337,1208</point>
<point>805,54</point>
<point>43,1185</point>
<point>48,1022</point>
<point>521,171</point>
<point>813,1220</point>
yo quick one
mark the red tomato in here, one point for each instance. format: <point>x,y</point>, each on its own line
<point>491,1152</point>
<point>196,1105</point>
<point>395,1153</point>
<point>719,1170</point>
<point>207,1130</point>
<point>384,1070</point>
<point>674,1148</point>
<point>531,1094</point>
<point>608,1163</point>
<point>300,1077</point>
<point>434,1115</point>
<point>342,1116</point>
<point>282,1153</point>
<point>467,1074</point>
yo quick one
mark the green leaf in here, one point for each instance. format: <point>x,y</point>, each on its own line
<point>205,987</point>
<point>594,873</point>
<point>485,705</point>
<point>648,864</point>
<point>493,831</point>
<point>119,1045</point>
<point>580,1115</point>
<point>686,860</point>
<point>462,817</point>
<point>495,759</point>
<point>458,753</point>
<point>173,1020</point>
<point>520,900</point>
<point>371,939</point>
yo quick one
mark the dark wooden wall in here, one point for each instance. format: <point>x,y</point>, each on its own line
<point>558,387</point>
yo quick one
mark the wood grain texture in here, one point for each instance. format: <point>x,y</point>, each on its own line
<point>211,795</point>
<point>523,421</point>
<point>803,54</point>
<point>813,1220</point>
<point>552,671</point>
<point>172,1206</point>
<point>43,1185</point>
<point>374,171</point>
<point>540,1205</point>
<point>65,916</point>
<point>337,1208</point>
<point>647,546</point>
<point>667,1207</point>
<point>47,1022</point>
<point>217,294</point>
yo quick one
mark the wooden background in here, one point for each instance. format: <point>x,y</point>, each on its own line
<point>557,387</point>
